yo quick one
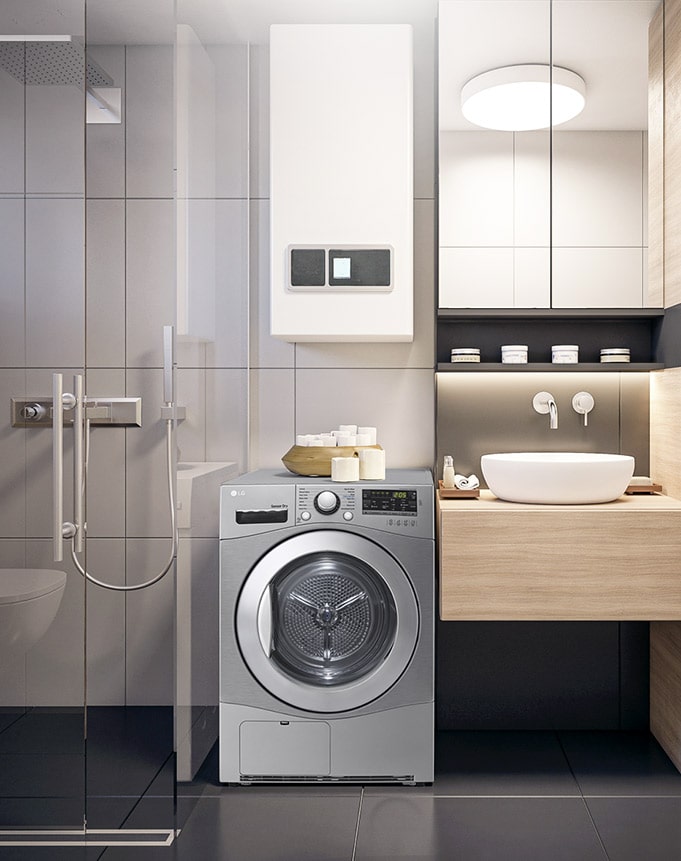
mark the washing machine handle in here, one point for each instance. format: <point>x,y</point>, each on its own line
<point>265,621</point>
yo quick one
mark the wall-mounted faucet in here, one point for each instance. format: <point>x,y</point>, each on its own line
<point>544,402</point>
<point>583,403</point>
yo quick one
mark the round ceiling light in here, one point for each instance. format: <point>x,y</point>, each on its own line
<point>516,98</point>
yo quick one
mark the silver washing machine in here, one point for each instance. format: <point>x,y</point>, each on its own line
<point>327,644</point>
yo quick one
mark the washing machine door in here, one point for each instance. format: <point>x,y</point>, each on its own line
<point>327,621</point>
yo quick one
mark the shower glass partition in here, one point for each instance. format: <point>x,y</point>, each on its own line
<point>87,282</point>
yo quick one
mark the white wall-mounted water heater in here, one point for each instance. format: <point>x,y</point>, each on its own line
<point>341,158</point>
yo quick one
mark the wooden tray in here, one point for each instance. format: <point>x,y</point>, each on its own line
<point>454,493</point>
<point>643,488</point>
<point>316,459</point>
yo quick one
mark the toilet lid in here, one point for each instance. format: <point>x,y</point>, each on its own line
<point>23,584</point>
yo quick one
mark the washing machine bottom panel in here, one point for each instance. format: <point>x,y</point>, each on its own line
<point>260,746</point>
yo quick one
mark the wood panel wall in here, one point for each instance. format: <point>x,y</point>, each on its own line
<point>655,295</point>
<point>672,152</point>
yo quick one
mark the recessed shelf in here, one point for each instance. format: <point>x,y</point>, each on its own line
<point>548,313</point>
<point>605,367</point>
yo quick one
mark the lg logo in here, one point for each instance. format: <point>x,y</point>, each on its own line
<point>237,493</point>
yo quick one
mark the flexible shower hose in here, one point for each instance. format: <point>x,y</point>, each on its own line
<point>173,520</point>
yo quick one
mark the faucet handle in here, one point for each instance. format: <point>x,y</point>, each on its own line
<point>583,403</point>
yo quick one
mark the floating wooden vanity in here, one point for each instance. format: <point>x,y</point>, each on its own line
<point>619,561</point>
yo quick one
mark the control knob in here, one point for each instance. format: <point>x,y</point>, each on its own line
<point>326,502</point>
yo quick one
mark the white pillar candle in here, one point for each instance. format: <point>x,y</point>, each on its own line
<point>372,464</point>
<point>344,469</point>
<point>347,428</point>
<point>301,439</point>
<point>370,431</point>
<point>315,440</point>
<point>328,439</point>
<point>346,439</point>
<point>363,439</point>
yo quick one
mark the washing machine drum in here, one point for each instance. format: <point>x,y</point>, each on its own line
<point>327,621</point>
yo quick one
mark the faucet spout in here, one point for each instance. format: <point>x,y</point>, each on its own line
<point>544,402</point>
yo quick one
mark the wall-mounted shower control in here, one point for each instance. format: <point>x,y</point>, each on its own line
<point>583,403</point>
<point>114,412</point>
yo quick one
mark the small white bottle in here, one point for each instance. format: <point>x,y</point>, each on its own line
<point>448,472</point>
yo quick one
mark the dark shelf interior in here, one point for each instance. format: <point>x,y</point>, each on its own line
<point>591,329</point>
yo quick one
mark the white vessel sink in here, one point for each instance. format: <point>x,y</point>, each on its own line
<point>557,478</point>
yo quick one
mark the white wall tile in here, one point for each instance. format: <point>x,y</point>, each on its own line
<point>105,256</point>
<point>425,123</point>
<point>266,351</point>
<point>417,354</point>
<point>191,432</point>
<point>231,113</point>
<point>12,459</point>
<point>259,119</point>
<point>597,277</point>
<point>150,127</point>
<point>105,498</point>
<point>476,188</point>
<point>55,132</point>
<point>227,416</point>
<point>229,349</point>
<point>150,279</point>
<point>597,188</point>
<point>12,321</point>
<point>147,513</point>
<point>273,400</point>
<point>149,624</point>
<point>55,288</point>
<point>476,277</point>
<point>105,560</point>
<point>11,134</point>
<point>532,188</point>
<point>532,277</point>
<point>105,142</point>
<point>399,403</point>
<point>55,665</point>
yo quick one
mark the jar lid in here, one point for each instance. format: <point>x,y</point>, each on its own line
<point>615,351</point>
<point>565,347</point>
<point>465,351</point>
<point>513,347</point>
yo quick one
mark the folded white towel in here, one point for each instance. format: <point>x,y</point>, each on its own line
<point>463,483</point>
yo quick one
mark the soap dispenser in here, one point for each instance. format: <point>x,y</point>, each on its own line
<point>448,472</point>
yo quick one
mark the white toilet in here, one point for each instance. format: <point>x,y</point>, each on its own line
<point>29,600</point>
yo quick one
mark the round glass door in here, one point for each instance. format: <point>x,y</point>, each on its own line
<point>334,619</point>
<point>327,621</point>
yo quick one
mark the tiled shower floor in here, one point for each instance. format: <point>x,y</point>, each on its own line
<point>496,797</point>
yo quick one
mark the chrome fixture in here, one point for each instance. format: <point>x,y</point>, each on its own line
<point>115,412</point>
<point>75,531</point>
<point>583,403</point>
<point>544,402</point>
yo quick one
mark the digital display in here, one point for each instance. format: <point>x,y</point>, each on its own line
<point>341,267</point>
<point>379,501</point>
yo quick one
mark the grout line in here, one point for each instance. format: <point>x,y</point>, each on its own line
<point>359,816</point>
<point>591,819</point>
<point>569,764</point>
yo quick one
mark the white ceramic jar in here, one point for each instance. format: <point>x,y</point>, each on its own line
<point>514,354</point>
<point>465,354</point>
<point>615,354</point>
<point>565,354</point>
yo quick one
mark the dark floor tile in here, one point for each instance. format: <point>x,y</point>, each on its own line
<point>34,775</point>
<point>41,732</point>
<point>633,829</point>
<point>8,715</point>
<point>260,828</point>
<point>476,829</point>
<point>620,763</point>
<point>496,763</point>
<point>51,853</point>
<point>21,813</point>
